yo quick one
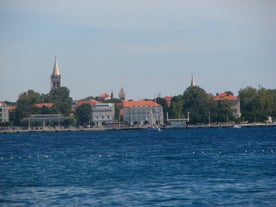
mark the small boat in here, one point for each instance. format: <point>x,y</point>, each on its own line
<point>236,126</point>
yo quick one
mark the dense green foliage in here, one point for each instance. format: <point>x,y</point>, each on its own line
<point>25,104</point>
<point>61,99</point>
<point>198,103</point>
<point>257,104</point>
<point>26,101</point>
<point>83,114</point>
<point>164,104</point>
<point>201,107</point>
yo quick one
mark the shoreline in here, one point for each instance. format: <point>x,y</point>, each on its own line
<point>41,130</point>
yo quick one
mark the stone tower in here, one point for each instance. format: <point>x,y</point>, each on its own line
<point>122,95</point>
<point>55,77</point>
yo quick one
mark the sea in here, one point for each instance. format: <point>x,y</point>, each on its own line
<point>176,167</point>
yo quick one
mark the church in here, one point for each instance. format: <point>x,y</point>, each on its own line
<point>56,76</point>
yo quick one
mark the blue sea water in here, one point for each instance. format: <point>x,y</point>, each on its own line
<point>185,167</point>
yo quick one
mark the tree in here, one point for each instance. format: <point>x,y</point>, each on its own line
<point>223,111</point>
<point>175,110</point>
<point>83,114</point>
<point>198,103</point>
<point>25,104</point>
<point>61,99</point>
<point>256,105</point>
<point>69,122</point>
<point>164,104</point>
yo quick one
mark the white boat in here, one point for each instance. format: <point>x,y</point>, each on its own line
<point>236,126</point>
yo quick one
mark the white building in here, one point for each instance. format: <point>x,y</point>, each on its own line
<point>141,112</point>
<point>4,112</point>
<point>102,113</point>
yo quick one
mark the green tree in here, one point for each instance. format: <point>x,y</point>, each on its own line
<point>223,111</point>
<point>61,99</point>
<point>164,104</point>
<point>256,105</point>
<point>25,104</point>
<point>83,114</point>
<point>175,110</point>
<point>198,103</point>
<point>69,122</point>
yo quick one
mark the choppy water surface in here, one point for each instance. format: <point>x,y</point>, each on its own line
<point>193,167</point>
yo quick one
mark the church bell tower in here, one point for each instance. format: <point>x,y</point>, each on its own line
<point>55,77</point>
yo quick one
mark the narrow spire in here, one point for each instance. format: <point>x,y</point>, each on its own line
<point>56,71</point>
<point>56,76</point>
<point>193,81</point>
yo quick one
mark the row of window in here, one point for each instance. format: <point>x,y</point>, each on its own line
<point>141,111</point>
<point>102,117</point>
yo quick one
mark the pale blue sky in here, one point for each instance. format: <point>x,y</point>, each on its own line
<point>146,46</point>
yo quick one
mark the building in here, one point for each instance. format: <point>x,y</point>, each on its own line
<point>141,112</point>
<point>102,113</point>
<point>235,102</point>
<point>56,76</point>
<point>90,102</point>
<point>4,112</point>
<point>122,95</point>
<point>104,97</point>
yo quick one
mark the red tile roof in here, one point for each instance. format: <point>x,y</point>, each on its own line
<point>90,102</point>
<point>226,96</point>
<point>129,104</point>
<point>104,95</point>
<point>3,103</point>
<point>48,105</point>
<point>12,108</point>
<point>168,99</point>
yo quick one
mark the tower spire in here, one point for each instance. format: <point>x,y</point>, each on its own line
<point>193,81</point>
<point>56,68</point>
<point>56,76</point>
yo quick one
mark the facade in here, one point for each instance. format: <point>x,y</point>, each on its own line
<point>141,112</point>
<point>102,113</point>
<point>56,76</point>
<point>4,112</point>
<point>235,102</point>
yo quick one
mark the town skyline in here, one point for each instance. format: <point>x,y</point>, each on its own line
<point>146,47</point>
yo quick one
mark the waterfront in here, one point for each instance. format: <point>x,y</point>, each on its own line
<point>194,167</point>
<point>5,130</point>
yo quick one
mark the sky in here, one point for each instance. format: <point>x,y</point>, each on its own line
<point>148,47</point>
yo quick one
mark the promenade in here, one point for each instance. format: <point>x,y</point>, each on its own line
<point>73,129</point>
